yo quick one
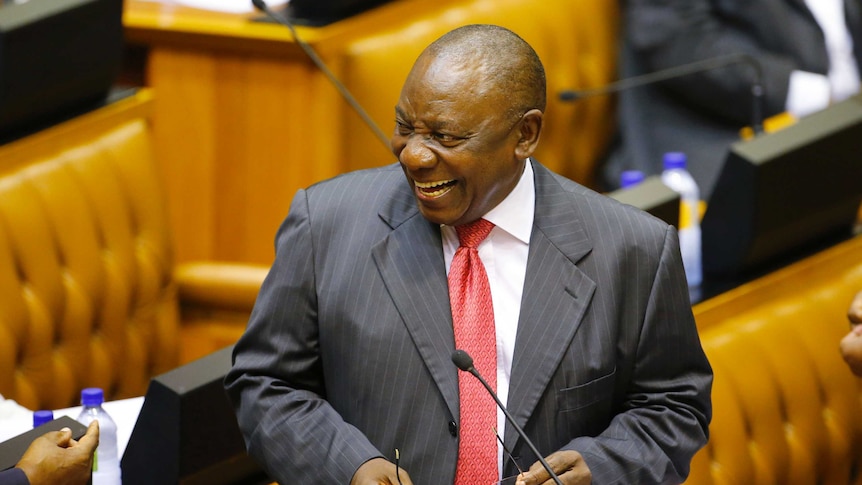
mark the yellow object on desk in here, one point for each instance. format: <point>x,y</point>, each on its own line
<point>771,124</point>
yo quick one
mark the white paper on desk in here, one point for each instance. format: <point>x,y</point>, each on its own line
<point>14,419</point>
<point>227,6</point>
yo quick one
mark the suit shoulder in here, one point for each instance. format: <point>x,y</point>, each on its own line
<point>359,187</point>
<point>600,207</point>
<point>352,181</point>
<point>356,197</point>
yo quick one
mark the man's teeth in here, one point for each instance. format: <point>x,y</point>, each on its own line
<point>428,188</point>
<point>431,185</point>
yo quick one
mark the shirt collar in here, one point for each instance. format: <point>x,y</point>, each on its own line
<point>515,213</point>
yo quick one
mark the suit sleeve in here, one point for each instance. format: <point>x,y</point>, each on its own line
<point>666,411</point>
<point>276,382</point>
<point>13,476</point>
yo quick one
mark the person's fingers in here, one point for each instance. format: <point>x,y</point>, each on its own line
<point>91,439</point>
<point>854,313</point>
<point>568,465</point>
<point>65,437</point>
<point>535,474</point>
<point>60,437</point>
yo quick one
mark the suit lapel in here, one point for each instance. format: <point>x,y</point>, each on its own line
<point>556,296</point>
<point>410,261</point>
<point>800,4</point>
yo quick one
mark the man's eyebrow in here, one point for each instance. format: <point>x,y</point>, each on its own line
<point>436,125</point>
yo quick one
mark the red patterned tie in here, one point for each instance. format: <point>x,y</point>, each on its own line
<point>473,320</point>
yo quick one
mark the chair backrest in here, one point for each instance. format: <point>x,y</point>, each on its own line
<point>86,290</point>
<point>787,410</point>
<point>576,40</point>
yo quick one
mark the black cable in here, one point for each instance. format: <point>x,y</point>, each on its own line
<point>261,5</point>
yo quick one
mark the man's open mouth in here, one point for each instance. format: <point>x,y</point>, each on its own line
<point>434,189</point>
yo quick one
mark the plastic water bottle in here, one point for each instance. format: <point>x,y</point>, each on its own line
<point>42,416</point>
<point>678,179</point>
<point>106,465</point>
<point>630,178</point>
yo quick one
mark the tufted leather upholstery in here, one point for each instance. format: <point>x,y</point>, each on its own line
<point>576,40</point>
<point>88,295</point>
<point>786,408</point>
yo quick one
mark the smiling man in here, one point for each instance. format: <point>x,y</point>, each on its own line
<point>575,307</point>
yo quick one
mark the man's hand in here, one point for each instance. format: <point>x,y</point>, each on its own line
<point>55,457</point>
<point>851,344</point>
<point>851,350</point>
<point>569,466</point>
<point>854,313</point>
<point>378,471</point>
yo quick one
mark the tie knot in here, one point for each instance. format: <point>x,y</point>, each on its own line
<point>470,235</point>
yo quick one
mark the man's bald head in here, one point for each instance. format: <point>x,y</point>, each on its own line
<point>508,62</point>
<point>468,118</point>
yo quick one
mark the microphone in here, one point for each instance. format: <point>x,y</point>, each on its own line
<point>464,362</point>
<point>261,5</point>
<point>684,70</point>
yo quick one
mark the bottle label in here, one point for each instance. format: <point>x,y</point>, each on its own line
<point>688,212</point>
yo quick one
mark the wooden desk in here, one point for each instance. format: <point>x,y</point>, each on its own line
<point>238,106</point>
<point>243,118</point>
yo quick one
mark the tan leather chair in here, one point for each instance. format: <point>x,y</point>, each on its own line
<point>89,294</point>
<point>787,410</point>
<point>576,40</point>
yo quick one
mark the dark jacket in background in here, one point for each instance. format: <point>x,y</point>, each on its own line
<point>702,114</point>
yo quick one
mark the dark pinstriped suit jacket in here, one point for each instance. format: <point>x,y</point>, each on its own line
<point>347,353</point>
<point>13,476</point>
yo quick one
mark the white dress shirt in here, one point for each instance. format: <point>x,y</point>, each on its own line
<point>810,92</point>
<point>504,254</point>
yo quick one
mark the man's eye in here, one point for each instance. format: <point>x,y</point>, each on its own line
<point>403,128</point>
<point>445,138</point>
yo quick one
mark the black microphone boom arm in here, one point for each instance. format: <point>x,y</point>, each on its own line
<point>261,5</point>
<point>684,70</point>
<point>464,362</point>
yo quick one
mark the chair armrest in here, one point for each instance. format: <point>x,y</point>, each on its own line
<point>219,286</point>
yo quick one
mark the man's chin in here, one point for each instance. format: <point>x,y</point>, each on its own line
<point>438,216</point>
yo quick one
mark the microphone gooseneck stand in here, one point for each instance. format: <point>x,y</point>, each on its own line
<point>757,91</point>
<point>464,362</point>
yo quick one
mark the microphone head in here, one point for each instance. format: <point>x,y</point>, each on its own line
<point>259,4</point>
<point>462,359</point>
<point>569,95</point>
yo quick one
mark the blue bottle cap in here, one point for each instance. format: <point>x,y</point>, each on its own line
<point>674,160</point>
<point>630,178</point>
<point>92,396</point>
<point>42,416</point>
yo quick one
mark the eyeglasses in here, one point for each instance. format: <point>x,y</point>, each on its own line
<point>397,467</point>
<point>508,480</point>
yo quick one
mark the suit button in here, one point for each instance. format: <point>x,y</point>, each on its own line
<point>453,428</point>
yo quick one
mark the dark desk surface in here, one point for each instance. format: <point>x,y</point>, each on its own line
<point>714,285</point>
<point>116,93</point>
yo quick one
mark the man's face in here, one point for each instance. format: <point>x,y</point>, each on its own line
<point>455,141</point>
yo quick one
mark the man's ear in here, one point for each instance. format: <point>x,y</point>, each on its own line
<point>529,131</point>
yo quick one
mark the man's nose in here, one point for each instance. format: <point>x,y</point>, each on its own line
<point>416,153</point>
